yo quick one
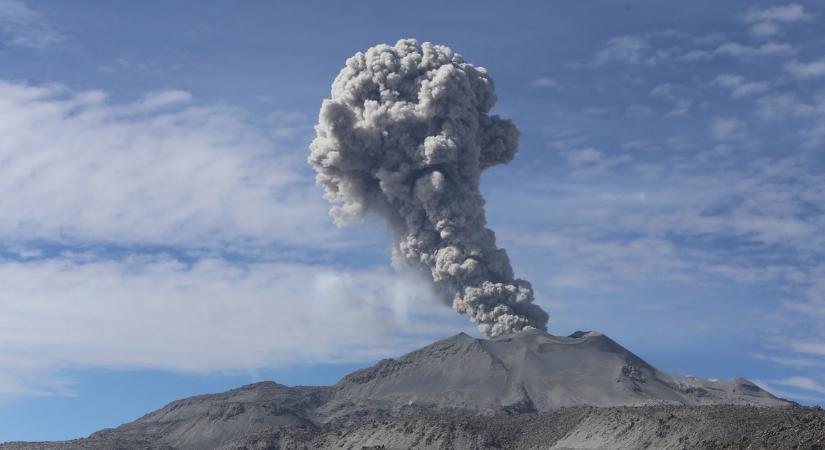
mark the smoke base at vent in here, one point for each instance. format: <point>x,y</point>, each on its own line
<point>406,135</point>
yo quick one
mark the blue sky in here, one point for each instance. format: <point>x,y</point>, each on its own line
<point>162,236</point>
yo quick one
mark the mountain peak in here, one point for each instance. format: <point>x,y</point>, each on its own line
<point>532,368</point>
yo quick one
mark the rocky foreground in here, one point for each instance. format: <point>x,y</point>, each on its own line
<point>532,390</point>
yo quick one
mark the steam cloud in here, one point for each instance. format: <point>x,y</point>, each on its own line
<point>406,135</point>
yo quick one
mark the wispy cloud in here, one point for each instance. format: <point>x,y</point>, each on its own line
<point>649,50</point>
<point>158,171</point>
<point>207,317</point>
<point>741,218</point>
<point>589,161</point>
<point>724,188</point>
<point>783,106</point>
<point>766,22</point>
<point>789,13</point>
<point>811,69</point>
<point>739,86</point>
<point>626,49</point>
<point>145,234</point>
<point>546,82</point>
<point>809,347</point>
<point>737,50</point>
<point>727,128</point>
<point>774,388</point>
<point>808,116</point>
<point>676,94</point>
<point>22,26</point>
<point>795,362</point>
<point>804,383</point>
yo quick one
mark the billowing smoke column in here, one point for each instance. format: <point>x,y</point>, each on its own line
<point>406,135</point>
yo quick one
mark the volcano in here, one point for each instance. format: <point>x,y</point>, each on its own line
<point>531,371</point>
<point>579,391</point>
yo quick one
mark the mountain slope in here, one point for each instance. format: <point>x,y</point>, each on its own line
<point>528,372</point>
<point>208,421</point>
<point>531,374</point>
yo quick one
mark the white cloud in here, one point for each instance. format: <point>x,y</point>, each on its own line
<point>786,106</point>
<point>805,383</point>
<point>743,219</point>
<point>795,362</point>
<point>739,51</point>
<point>779,392</point>
<point>765,22</point>
<point>589,161</point>
<point>784,13</point>
<point>811,69</point>
<point>736,50</point>
<point>546,82</point>
<point>645,48</point>
<point>696,55</point>
<point>158,100</point>
<point>214,315</point>
<point>808,347</point>
<point>727,128</point>
<point>739,86</point>
<point>765,29</point>
<point>654,48</point>
<point>118,188</point>
<point>677,95</point>
<point>729,200</point>
<point>626,49</point>
<point>25,27</point>
<point>779,106</point>
<point>289,125</point>
<point>159,171</point>
<point>692,228</point>
<point>603,231</point>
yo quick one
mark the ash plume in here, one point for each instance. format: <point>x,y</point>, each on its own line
<point>406,135</point>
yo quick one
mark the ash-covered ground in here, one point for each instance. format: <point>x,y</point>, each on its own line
<point>531,390</point>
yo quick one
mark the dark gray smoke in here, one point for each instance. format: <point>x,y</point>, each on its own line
<point>406,135</point>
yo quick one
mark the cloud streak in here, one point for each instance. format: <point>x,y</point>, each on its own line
<point>164,233</point>
<point>162,171</point>
<point>813,69</point>
<point>739,87</point>
<point>211,316</point>
<point>766,22</point>
<point>22,26</point>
